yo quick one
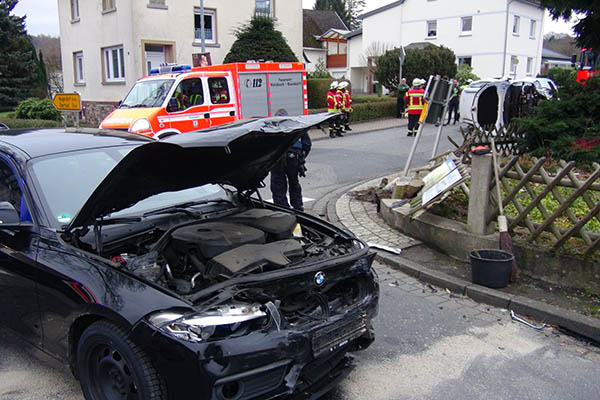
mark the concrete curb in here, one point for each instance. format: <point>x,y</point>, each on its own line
<point>580,324</point>
<point>322,136</point>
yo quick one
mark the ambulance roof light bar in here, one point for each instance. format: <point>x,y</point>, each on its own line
<point>171,68</point>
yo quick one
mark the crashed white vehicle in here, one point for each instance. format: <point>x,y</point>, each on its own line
<point>491,104</point>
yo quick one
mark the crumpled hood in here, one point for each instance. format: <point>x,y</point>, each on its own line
<point>239,154</point>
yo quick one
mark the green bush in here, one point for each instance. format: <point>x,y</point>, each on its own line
<point>370,110</point>
<point>371,99</point>
<point>566,127</point>
<point>563,77</point>
<point>30,123</point>
<point>317,92</point>
<point>34,108</point>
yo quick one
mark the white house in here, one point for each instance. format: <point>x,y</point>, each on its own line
<point>107,45</point>
<point>496,37</point>
<point>324,42</point>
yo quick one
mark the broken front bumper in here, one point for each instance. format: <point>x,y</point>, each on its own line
<point>304,362</point>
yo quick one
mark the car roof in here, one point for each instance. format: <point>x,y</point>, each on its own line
<point>40,142</point>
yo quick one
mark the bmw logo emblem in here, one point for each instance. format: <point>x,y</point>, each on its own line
<point>319,278</point>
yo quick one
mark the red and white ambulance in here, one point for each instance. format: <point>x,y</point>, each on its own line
<point>178,98</point>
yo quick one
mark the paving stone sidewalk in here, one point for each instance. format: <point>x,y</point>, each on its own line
<point>362,219</point>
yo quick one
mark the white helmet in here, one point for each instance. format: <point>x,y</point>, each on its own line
<point>334,85</point>
<point>416,82</point>
<point>343,85</point>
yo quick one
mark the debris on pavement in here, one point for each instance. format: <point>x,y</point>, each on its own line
<point>389,249</point>
<point>520,319</point>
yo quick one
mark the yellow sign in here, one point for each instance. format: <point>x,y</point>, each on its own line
<point>67,102</point>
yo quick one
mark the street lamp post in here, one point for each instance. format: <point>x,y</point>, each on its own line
<point>202,33</point>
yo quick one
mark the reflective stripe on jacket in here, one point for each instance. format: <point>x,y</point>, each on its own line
<point>331,102</point>
<point>414,99</point>
<point>347,101</point>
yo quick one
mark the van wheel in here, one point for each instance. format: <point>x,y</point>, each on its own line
<point>112,367</point>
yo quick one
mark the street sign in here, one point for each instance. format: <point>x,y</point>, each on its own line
<point>67,102</point>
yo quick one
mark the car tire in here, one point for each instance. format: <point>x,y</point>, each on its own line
<point>110,366</point>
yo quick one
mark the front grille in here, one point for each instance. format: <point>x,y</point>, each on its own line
<point>335,336</point>
<point>251,384</point>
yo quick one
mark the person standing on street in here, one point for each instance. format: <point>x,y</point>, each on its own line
<point>415,102</point>
<point>287,172</point>
<point>339,124</point>
<point>332,107</point>
<point>400,106</point>
<point>453,104</point>
<point>347,105</point>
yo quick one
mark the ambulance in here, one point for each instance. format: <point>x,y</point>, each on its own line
<point>177,98</point>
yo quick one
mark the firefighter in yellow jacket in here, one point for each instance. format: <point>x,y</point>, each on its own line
<point>334,105</point>
<point>347,106</point>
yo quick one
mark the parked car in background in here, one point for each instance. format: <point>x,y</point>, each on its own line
<point>3,126</point>
<point>158,283</point>
<point>492,104</point>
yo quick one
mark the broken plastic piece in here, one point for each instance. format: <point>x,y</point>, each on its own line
<point>394,250</point>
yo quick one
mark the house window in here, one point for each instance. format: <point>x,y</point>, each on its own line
<point>209,25</point>
<point>465,60</point>
<point>532,28</point>
<point>513,64</point>
<point>108,5</point>
<point>516,24</point>
<point>78,62</point>
<point>114,64</point>
<point>466,24</point>
<point>431,29</point>
<point>529,65</point>
<point>74,10</point>
<point>264,7</point>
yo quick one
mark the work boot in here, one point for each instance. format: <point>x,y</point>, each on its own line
<point>347,128</point>
<point>331,134</point>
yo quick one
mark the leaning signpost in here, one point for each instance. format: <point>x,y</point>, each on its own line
<point>68,103</point>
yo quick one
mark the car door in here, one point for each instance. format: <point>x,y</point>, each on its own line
<point>222,101</point>
<point>19,309</point>
<point>188,109</point>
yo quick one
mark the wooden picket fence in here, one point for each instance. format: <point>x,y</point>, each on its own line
<point>507,139</point>
<point>534,190</point>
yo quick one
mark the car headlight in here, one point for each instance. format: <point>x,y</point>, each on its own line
<point>140,125</point>
<point>217,322</point>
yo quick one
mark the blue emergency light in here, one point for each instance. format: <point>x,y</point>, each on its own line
<point>170,68</point>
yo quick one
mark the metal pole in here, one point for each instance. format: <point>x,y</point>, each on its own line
<point>413,149</point>
<point>202,33</point>
<point>439,132</point>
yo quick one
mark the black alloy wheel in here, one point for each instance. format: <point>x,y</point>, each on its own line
<point>111,367</point>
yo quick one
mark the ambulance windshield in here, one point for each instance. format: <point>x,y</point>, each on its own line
<point>150,93</point>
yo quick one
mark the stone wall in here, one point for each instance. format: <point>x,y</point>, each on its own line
<point>95,111</point>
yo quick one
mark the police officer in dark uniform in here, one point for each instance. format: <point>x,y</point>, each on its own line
<point>287,172</point>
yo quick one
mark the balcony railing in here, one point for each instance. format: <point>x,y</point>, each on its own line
<point>336,61</point>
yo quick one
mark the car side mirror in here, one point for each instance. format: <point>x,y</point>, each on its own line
<point>173,105</point>
<point>120,103</point>
<point>8,215</point>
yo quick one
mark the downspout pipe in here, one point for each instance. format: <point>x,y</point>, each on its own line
<point>508,3</point>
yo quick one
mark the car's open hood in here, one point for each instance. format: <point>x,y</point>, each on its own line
<point>240,154</point>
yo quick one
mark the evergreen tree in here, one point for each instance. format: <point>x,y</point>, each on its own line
<point>43,76</point>
<point>259,40</point>
<point>348,10</point>
<point>17,64</point>
<point>588,27</point>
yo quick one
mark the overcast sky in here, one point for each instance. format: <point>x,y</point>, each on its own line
<point>42,16</point>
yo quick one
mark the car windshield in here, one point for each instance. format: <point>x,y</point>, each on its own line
<point>149,93</point>
<point>65,181</point>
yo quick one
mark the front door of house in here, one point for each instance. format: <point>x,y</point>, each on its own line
<point>155,56</point>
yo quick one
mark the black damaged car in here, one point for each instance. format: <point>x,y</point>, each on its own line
<point>155,272</point>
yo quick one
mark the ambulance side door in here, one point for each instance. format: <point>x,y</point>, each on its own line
<point>188,106</point>
<point>222,100</point>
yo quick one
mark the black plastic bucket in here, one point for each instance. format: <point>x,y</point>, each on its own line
<point>491,268</point>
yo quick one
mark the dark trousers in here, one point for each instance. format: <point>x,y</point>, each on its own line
<point>284,174</point>
<point>346,119</point>
<point>453,107</point>
<point>413,123</point>
<point>400,106</point>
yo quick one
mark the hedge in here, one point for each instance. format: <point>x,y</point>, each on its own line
<point>317,92</point>
<point>34,108</point>
<point>369,110</point>
<point>30,123</point>
<point>371,99</point>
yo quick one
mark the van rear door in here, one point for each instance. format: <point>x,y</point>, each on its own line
<point>253,95</point>
<point>286,93</point>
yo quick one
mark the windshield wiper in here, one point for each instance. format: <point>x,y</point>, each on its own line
<point>183,208</point>
<point>117,220</point>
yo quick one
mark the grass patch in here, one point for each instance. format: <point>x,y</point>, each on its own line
<point>30,123</point>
